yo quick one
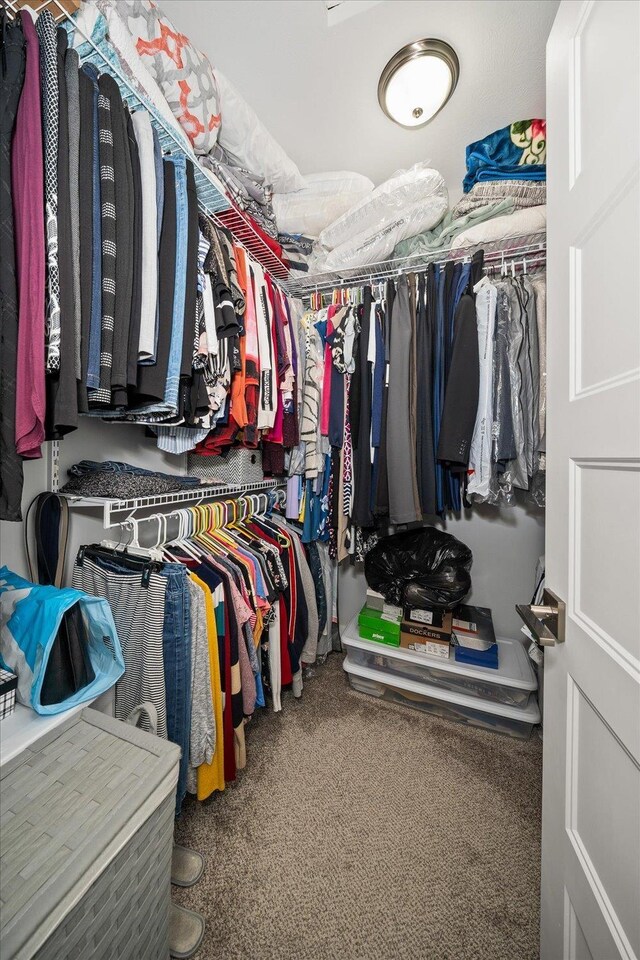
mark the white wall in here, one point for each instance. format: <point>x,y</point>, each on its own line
<point>315,86</point>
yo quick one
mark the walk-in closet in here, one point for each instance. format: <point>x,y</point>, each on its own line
<point>319,479</point>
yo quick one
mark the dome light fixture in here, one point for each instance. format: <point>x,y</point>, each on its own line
<point>418,81</point>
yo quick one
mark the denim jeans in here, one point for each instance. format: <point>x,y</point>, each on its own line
<point>177,666</point>
<point>179,290</point>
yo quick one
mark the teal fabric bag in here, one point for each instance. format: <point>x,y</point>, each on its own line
<point>30,618</point>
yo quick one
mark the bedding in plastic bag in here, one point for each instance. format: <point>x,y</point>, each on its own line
<point>249,144</point>
<point>371,246</point>
<point>385,204</point>
<point>325,197</point>
<point>425,567</point>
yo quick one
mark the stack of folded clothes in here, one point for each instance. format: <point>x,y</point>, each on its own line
<point>247,190</point>
<point>504,194</point>
<point>116,480</point>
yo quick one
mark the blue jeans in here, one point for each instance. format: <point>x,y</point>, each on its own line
<point>180,283</point>
<point>176,647</point>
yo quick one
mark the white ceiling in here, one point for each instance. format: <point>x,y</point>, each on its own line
<point>315,86</point>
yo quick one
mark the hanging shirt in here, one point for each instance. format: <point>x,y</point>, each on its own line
<point>481,443</point>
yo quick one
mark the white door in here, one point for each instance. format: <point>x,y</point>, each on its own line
<point>591,780</point>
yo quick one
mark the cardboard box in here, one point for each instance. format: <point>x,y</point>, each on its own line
<point>473,627</point>
<point>428,639</point>
<point>375,600</point>
<point>373,625</point>
<point>430,617</point>
<point>429,631</point>
<point>426,646</point>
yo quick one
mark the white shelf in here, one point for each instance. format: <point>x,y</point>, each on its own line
<point>205,491</point>
<point>530,248</point>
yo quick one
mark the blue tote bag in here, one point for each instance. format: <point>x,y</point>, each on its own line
<point>30,618</point>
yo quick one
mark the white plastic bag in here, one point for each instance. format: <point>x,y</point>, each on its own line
<point>384,206</point>
<point>249,144</point>
<point>373,246</point>
<point>325,197</point>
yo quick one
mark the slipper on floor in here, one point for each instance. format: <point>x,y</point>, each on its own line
<point>186,930</point>
<point>186,866</point>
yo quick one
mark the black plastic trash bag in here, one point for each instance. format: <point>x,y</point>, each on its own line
<point>424,567</point>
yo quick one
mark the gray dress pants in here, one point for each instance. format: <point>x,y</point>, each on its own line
<point>401,454</point>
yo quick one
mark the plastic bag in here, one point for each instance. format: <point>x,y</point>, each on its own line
<point>30,617</point>
<point>374,245</point>
<point>389,201</point>
<point>325,198</point>
<point>424,567</point>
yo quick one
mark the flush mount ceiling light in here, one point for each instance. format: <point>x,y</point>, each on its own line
<point>418,81</point>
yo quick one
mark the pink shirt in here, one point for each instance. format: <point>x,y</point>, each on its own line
<point>326,384</point>
<point>29,216</point>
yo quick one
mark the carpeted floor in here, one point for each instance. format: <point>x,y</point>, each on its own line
<point>364,830</point>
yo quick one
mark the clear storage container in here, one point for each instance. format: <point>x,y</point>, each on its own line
<point>514,721</point>
<point>513,683</point>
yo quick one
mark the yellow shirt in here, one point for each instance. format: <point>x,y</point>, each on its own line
<point>211,775</point>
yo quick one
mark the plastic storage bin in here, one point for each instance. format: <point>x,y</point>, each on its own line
<point>86,843</point>
<point>513,683</point>
<point>514,721</point>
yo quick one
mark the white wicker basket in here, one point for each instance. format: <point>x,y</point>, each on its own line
<point>237,465</point>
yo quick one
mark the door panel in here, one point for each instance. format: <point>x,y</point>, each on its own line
<point>591,793</point>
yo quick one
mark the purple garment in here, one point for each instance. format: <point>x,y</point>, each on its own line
<point>27,176</point>
<point>294,492</point>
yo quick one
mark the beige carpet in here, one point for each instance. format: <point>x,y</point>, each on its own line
<point>362,830</point>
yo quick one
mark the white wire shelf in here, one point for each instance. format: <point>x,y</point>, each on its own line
<point>531,249</point>
<point>205,491</point>
<point>212,199</point>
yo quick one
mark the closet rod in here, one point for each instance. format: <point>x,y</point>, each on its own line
<point>529,250</point>
<point>245,503</point>
<point>200,494</point>
<point>212,199</point>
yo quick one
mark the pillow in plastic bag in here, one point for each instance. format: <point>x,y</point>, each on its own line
<point>249,144</point>
<point>425,567</point>
<point>391,199</point>
<point>325,198</point>
<point>373,246</point>
<point>309,211</point>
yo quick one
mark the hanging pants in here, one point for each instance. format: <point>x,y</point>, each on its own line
<point>12,64</point>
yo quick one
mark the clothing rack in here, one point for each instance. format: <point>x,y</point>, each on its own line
<point>210,516</point>
<point>212,199</point>
<point>198,495</point>
<point>527,254</point>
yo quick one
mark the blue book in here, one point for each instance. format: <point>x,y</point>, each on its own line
<point>478,658</point>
